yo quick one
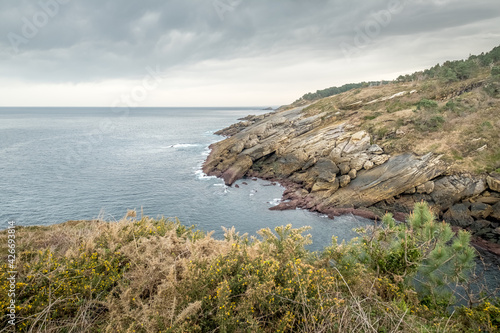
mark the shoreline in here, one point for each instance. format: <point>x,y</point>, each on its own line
<point>290,200</point>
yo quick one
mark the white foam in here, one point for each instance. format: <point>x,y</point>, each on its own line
<point>275,202</point>
<point>200,175</point>
<point>185,145</point>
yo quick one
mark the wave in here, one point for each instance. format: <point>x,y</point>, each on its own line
<point>185,145</point>
<point>200,175</point>
<point>275,202</point>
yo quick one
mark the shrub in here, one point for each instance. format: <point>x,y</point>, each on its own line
<point>150,275</point>
<point>426,104</point>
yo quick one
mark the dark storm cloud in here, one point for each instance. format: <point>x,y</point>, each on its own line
<point>103,39</point>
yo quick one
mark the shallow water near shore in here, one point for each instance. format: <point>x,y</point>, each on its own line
<point>62,164</point>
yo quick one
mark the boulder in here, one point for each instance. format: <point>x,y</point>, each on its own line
<point>358,161</point>
<point>352,174</point>
<point>495,211</point>
<point>451,189</point>
<point>375,149</point>
<point>344,180</point>
<point>380,159</point>
<point>480,210</point>
<point>459,215</point>
<point>493,181</point>
<point>480,226</point>
<point>426,188</point>
<point>326,170</point>
<point>368,165</point>
<point>344,168</point>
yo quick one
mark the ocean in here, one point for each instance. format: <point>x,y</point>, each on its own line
<point>60,164</point>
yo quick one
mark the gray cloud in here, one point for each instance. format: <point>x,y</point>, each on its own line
<point>98,40</point>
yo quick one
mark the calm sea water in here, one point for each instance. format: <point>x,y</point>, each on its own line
<point>59,164</point>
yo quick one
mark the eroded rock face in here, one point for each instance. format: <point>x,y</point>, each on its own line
<point>330,166</point>
<point>396,176</point>
<point>451,189</point>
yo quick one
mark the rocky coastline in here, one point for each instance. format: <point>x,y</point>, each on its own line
<point>329,165</point>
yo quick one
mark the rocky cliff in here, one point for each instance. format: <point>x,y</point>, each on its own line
<point>378,149</point>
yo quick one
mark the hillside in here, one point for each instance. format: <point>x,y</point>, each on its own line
<point>432,135</point>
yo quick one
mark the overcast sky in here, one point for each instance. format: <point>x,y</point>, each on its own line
<point>224,52</point>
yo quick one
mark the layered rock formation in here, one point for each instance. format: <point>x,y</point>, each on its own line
<point>328,161</point>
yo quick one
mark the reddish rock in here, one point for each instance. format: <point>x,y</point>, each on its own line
<point>289,205</point>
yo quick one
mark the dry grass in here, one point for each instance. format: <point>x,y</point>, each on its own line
<point>147,275</point>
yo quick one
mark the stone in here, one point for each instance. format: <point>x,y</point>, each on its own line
<point>426,188</point>
<point>458,215</point>
<point>375,149</point>
<point>320,186</point>
<point>326,170</point>
<point>490,200</point>
<point>344,168</point>
<point>368,165</point>
<point>412,190</point>
<point>352,174</point>
<point>380,159</point>
<point>493,181</point>
<point>480,226</point>
<point>309,163</point>
<point>358,161</point>
<point>344,180</point>
<point>495,211</point>
<point>334,187</point>
<point>480,210</point>
<point>452,189</point>
<point>359,141</point>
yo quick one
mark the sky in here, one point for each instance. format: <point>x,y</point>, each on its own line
<point>224,52</point>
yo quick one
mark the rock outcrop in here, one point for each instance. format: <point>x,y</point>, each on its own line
<point>331,164</point>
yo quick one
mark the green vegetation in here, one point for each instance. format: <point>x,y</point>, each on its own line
<point>452,71</point>
<point>155,275</point>
<point>426,104</point>
<point>338,90</point>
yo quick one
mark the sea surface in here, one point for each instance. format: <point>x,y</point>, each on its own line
<point>59,164</point>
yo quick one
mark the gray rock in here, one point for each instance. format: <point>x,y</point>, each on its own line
<point>458,215</point>
<point>397,175</point>
<point>326,170</point>
<point>344,168</point>
<point>451,189</point>
<point>426,188</point>
<point>480,210</point>
<point>359,141</point>
<point>375,149</point>
<point>481,226</point>
<point>495,211</point>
